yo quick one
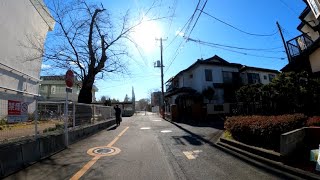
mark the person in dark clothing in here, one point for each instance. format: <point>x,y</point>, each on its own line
<point>118,114</point>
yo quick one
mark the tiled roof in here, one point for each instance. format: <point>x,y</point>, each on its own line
<point>52,78</point>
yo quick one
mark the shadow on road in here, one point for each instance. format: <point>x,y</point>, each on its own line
<point>214,121</point>
<point>210,141</point>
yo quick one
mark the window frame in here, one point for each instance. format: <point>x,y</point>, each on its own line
<point>208,75</point>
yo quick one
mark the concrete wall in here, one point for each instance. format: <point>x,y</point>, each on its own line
<point>16,156</point>
<point>298,139</point>
<point>314,59</point>
<point>291,141</point>
<point>23,23</point>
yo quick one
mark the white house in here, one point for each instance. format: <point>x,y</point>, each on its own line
<point>23,24</point>
<point>53,88</point>
<point>253,75</point>
<point>217,73</point>
<point>213,72</point>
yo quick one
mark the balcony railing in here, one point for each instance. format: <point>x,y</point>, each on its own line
<point>298,44</point>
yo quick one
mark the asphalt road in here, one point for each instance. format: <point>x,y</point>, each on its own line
<point>145,147</point>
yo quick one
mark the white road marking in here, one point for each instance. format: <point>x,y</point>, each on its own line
<point>192,154</point>
<point>166,131</point>
<point>143,128</point>
<point>156,120</point>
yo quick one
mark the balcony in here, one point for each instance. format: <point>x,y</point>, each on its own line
<point>298,45</point>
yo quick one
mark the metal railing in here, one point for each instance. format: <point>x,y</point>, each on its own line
<point>50,117</point>
<point>298,44</point>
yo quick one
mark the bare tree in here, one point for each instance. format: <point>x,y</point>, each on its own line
<point>87,42</point>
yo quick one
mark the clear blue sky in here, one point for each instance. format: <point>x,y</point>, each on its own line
<point>258,17</point>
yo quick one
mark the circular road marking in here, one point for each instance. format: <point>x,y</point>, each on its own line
<point>166,131</point>
<point>103,151</point>
<point>143,128</point>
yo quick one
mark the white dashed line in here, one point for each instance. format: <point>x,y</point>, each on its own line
<point>166,131</point>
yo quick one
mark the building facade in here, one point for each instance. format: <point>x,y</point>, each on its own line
<point>23,24</point>
<point>53,88</point>
<point>190,86</point>
<point>254,75</point>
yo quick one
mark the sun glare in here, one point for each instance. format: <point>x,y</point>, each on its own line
<point>145,35</point>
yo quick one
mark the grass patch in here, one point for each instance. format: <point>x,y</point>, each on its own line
<point>227,135</point>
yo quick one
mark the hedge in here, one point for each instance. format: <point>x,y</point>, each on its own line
<point>263,131</point>
<point>313,121</point>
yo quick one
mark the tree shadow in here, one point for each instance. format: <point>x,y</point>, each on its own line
<point>213,121</point>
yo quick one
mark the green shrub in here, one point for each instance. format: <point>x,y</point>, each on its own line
<point>313,121</point>
<point>263,131</point>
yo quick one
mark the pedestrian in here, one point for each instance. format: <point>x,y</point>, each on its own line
<point>118,114</point>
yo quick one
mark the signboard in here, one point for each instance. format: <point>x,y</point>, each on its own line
<point>17,111</point>
<point>69,78</point>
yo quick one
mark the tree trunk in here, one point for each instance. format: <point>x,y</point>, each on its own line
<point>85,95</point>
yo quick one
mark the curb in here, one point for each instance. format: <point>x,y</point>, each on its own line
<point>277,167</point>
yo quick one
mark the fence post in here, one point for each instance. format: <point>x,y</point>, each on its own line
<point>36,120</point>
<point>93,109</point>
<point>74,114</point>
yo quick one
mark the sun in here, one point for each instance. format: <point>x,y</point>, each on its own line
<point>145,35</point>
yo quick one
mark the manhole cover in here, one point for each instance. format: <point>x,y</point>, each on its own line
<point>103,151</point>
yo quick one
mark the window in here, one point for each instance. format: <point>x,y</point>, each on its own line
<point>53,89</point>
<point>191,76</point>
<point>227,77</point>
<point>208,74</point>
<point>271,76</point>
<point>253,78</point>
<point>265,77</point>
<point>315,6</point>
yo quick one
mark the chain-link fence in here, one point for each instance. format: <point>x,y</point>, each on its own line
<point>50,117</point>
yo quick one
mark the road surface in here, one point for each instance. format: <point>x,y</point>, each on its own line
<point>145,147</point>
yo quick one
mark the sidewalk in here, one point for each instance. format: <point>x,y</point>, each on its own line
<point>213,139</point>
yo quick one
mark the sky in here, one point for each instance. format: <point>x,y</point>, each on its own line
<point>253,27</point>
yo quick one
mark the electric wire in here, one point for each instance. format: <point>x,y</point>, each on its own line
<point>243,53</point>
<point>236,47</point>
<point>240,30</point>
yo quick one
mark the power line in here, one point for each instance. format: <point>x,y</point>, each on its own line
<point>236,47</point>
<point>284,3</point>
<point>198,17</point>
<point>187,24</point>
<point>245,32</point>
<point>239,52</point>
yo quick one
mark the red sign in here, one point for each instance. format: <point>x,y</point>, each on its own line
<point>14,107</point>
<point>69,78</point>
<point>17,111</point>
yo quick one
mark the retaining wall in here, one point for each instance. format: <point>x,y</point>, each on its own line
<point>293,141</point>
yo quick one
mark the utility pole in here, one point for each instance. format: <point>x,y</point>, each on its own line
<point>162,89</point>
<point>284,43</point>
